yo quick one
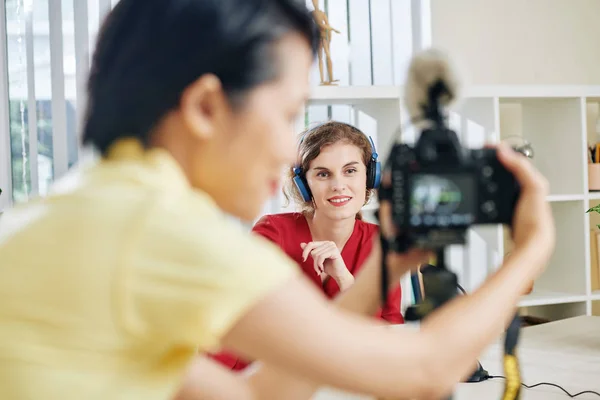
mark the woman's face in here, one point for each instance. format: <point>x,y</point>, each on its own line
<point>338,181</point>
<point>243,151</point>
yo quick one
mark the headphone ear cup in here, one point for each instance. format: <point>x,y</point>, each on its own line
<point>302,188</point>
<point>373,175</point>
<point>377,178</point>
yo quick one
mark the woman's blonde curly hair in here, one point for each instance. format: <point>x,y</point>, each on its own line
<point>311,142</point>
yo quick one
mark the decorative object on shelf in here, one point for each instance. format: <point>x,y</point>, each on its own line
<point>594,153</point>
<point>594,167</point>
<point>520,144</point>
<point>594,177</point>
<point>597,127</point>
<point>324,44</point>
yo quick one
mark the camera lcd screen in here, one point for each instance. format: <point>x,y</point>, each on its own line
<point>442,199</point>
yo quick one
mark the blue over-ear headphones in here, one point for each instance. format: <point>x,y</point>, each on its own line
<point>373,170</point>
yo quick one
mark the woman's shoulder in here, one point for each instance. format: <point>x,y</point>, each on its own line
<point>368,228</point>
<point>281,220</point>
<point>281,228</point>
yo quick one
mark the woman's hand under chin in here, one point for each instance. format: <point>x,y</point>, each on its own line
<point>328,261</point>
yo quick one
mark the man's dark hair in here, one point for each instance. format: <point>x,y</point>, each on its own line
<point>149,51</point>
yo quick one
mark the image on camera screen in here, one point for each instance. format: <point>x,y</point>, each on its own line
<point>442,199</point>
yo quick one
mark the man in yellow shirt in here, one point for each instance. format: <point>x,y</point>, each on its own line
<point>113,282</point>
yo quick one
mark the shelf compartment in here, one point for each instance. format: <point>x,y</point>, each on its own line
<point>564,273</point>
<point>554,126</point>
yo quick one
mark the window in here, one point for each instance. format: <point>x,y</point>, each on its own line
<point>48,46</point>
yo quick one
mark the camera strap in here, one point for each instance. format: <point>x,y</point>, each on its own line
<point>385,279</point>
<point>512,371</point>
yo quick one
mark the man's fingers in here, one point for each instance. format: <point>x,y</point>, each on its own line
<point>522,169</point>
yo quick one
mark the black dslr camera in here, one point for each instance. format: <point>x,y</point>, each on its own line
<point>440,188</point>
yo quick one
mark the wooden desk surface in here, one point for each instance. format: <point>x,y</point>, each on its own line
<point>566,353</point>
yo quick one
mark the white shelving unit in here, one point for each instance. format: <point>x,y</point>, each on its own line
<point>554,119</point>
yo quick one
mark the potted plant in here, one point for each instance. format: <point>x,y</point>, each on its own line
<point>595,209</point>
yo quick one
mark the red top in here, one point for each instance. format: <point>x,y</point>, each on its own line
<point>288,230</point>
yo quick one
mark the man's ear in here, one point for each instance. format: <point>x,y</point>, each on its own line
<point>204,106</point>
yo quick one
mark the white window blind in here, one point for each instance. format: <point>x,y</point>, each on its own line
<point>47,46</point>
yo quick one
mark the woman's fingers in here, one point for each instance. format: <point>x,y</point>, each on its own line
<point>318,269</point>
<point>314,248</point>
<point>307,248</point>
<point>325,249</point>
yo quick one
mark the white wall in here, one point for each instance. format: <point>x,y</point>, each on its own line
<point>521,41</point>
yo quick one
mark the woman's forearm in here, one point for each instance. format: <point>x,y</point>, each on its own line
<point>345,282</point>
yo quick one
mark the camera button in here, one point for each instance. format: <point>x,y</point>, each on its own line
<point>489,207</point>
<point>492,187</point>
<point>487,171</point>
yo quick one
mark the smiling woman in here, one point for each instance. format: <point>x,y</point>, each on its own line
<point>335,175</point>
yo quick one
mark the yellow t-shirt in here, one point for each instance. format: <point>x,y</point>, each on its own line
<point>112,283</point>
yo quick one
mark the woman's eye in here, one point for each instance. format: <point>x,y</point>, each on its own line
<point>322,174</point>
<point>351,171</point>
